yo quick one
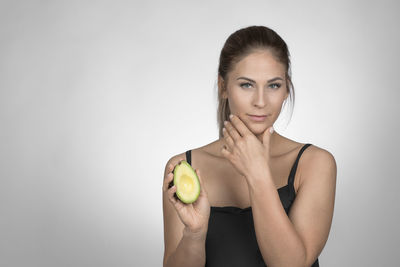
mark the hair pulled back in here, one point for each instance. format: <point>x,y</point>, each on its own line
<point>240,44</point>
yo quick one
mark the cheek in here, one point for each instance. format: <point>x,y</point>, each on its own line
<point>238,100</point>
<point>277,100</point>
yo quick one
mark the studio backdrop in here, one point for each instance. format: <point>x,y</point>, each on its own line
<point>96,96</point>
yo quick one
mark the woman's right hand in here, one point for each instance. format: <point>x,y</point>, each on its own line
<point>194,216</point>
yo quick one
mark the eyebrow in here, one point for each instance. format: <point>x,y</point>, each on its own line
<point>271,80</point>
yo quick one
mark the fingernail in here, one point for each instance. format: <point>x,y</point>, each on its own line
<point>271,130</point>
<point>230,116</point>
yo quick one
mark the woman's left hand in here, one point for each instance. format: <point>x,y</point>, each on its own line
<point>247,154</point>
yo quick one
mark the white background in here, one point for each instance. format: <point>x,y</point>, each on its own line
<point>96,96</point>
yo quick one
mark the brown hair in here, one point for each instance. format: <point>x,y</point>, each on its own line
<point>239,45</point>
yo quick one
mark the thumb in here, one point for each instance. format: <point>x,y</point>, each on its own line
<point>267,136</point>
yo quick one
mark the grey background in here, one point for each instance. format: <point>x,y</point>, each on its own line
<point>96,96</point>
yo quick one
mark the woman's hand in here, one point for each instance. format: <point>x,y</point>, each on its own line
<point>247,154</point>
<point>194,216</point>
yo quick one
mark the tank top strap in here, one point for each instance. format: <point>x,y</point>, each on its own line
<point>189,156</point>
<point>294,167</point>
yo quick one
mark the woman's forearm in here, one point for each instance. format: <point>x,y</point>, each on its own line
<point>191,251</point>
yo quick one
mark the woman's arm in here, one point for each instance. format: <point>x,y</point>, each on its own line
<point>190,251</point>
<point>181,246</point>
<point>297,239</point>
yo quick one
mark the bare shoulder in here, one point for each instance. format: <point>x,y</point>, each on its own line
<point>317,160</point>
<point>315,155</point>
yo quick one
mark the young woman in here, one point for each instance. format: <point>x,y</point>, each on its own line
<point>265,200</point>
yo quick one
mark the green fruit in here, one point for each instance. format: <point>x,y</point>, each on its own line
<point>187,183</point>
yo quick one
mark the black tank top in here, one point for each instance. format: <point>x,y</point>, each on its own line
<point>231,238</point>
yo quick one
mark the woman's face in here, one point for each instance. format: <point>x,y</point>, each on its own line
<point>257,86</point>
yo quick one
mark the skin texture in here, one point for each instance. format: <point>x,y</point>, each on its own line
<point>260,98</point>
<point>251,168</point>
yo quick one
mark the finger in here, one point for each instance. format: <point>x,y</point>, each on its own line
<point>171,196</point>
<point>174,199</point>
<point>267,136</point>
<point>170,192</point>
<point>171,166</point>
<point>228,139</point>
<point>167,181</point>
<point>232,131</point>
<point>178,161</point>
<point>225,152</point>
<point>240,126</point>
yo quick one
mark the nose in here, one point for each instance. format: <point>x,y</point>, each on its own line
<point>258,99</point>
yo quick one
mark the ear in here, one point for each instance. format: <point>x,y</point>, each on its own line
<point>222,87</point>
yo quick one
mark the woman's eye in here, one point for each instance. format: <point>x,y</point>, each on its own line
<point>241,85</point>
<point>277,85</point>
<point>274,85</point>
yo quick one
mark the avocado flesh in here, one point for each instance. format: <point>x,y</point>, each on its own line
<point>187,183</point>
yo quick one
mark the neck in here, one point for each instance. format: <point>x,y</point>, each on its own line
<point>274,142</point>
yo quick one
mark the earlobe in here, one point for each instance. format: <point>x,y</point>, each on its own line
<point>224,96</point>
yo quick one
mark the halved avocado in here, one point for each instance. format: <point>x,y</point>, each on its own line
<point>187,183</point>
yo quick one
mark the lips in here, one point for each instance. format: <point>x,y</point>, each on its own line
<point>258,115</point>
<point>257,118</point>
